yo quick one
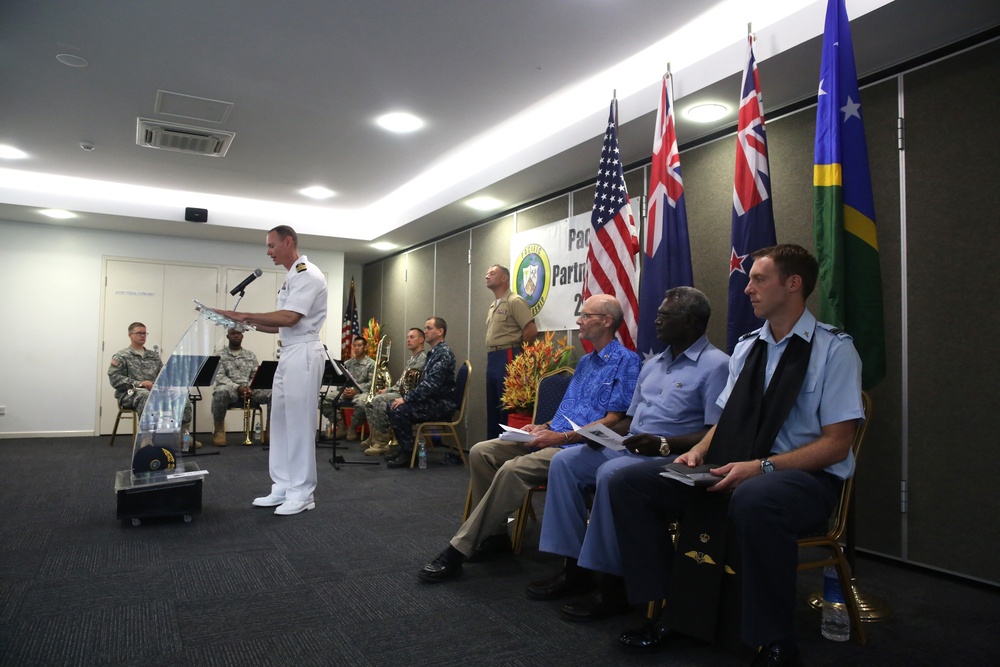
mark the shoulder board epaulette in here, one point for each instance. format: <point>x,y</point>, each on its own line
<point>300,267</point>
<point>752,334</point>
<point>835,331</point>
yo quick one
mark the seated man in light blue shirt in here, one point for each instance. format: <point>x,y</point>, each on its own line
<point>672,408</point>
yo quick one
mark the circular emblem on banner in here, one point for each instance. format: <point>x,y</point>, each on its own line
<point>531,279</point>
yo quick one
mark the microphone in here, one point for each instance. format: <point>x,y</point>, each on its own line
<point>246,281</point>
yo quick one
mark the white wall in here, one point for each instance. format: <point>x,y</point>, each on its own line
<point>50,298</point>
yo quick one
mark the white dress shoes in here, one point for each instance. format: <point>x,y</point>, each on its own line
<point>271,500</point>
<point>290,507</point>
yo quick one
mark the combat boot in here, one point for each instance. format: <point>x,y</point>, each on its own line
<point>380,444</point>
<point>219,436</point>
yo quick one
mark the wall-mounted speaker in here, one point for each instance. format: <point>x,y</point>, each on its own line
<point>196,214</point>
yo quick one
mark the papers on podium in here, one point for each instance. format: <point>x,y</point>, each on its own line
<point>696,476</point>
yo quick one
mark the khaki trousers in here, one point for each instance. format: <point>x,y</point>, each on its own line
<point>502,473</point>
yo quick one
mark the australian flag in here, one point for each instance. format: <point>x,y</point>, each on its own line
<point>753,215</point>
<point>666,248</point>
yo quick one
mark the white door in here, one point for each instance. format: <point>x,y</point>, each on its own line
<point>158,295</point>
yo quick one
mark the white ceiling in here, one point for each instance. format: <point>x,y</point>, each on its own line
<point>306,79</point>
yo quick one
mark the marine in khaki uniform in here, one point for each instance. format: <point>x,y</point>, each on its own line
<point>509,323</point>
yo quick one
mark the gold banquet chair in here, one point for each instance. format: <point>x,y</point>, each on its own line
<point>427,430</point>
<point>128,413</point>
<point>548,395</point>
<point>835,531</point>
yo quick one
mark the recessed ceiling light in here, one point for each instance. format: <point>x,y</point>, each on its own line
<point>484,203</point>
<point>57,213</point>
<point>399,121</point>
<point>11,153</point>
<point>383,245</point>
<point>71,60</point>
<point>706,113</point>
<point>317,192</point>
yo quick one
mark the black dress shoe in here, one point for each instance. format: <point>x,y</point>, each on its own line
<point>594,607</point>
<point>650,637</point>
<point>440,569</point>
<point>402,460</point>
<point>490,548</point>
<point>777,654</point>
<point>560,586</point>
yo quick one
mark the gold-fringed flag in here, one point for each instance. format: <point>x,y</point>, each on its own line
<point>352,327</point>
<point>850,280</point>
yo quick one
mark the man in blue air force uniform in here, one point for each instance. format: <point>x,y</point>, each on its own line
<point>782,448</point>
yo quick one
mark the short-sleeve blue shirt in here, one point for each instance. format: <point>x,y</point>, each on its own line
<point>603,382</point>
<point>677,396</point>
<point>831,391</point>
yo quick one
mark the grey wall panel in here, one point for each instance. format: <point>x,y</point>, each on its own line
<point>372,299</point>
<point>420,304</point>
<point>708,194</point>
<point>952,201</point>
<point>490,245</point>
<point>879,523</point>
<point>452,303</point>
<point>543,214</point>
<point>394,307</point>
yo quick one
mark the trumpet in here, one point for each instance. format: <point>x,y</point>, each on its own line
<point>247,421</point>
<point>380,377</point>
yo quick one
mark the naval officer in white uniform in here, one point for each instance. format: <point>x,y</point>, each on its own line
<point>300,314</point>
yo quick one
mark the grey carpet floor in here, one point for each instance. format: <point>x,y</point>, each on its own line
<point>238,586</point>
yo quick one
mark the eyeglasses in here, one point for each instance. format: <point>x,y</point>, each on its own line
<point>138,333</point>
<point>586,315</point>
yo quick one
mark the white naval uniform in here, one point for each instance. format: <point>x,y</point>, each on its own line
<point>295,399</point>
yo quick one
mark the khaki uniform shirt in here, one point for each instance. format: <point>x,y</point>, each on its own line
<point>506,320</point>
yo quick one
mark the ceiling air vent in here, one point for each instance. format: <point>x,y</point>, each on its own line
<point>182,138</point>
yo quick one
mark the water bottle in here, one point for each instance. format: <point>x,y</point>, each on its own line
<point>835,624</point>
<point>186,442</point>
<point>256,432</point>
<point>422,456</point>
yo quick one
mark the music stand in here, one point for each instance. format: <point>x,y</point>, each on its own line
<point>205,378</point>
<point>336,376</point>
<point>263,378</point>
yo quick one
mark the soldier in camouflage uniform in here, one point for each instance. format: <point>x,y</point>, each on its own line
<point>133,371</point>
<point>362,369</point>
<point>232,383</point>
<point>433,399</point>
<point>378,415</point>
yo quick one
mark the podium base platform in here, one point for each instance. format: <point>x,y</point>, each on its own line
<point>173,495</point>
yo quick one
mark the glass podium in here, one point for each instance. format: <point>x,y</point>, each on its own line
<point>160,482</point>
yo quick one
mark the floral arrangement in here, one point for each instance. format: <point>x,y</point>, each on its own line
<point>523,373</point>
<point>372,335</point>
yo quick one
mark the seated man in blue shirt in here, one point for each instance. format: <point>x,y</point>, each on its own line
<point>503,471</point>
<point>781,449</point>
<point>672,409</point>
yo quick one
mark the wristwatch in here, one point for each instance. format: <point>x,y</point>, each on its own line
<point>766,466</point>
<point>664,447</point>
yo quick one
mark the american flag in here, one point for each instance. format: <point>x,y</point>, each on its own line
<point>352,327</point>
<point>613,247</point>
<point>666,248</point>
<point>753,217</point>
